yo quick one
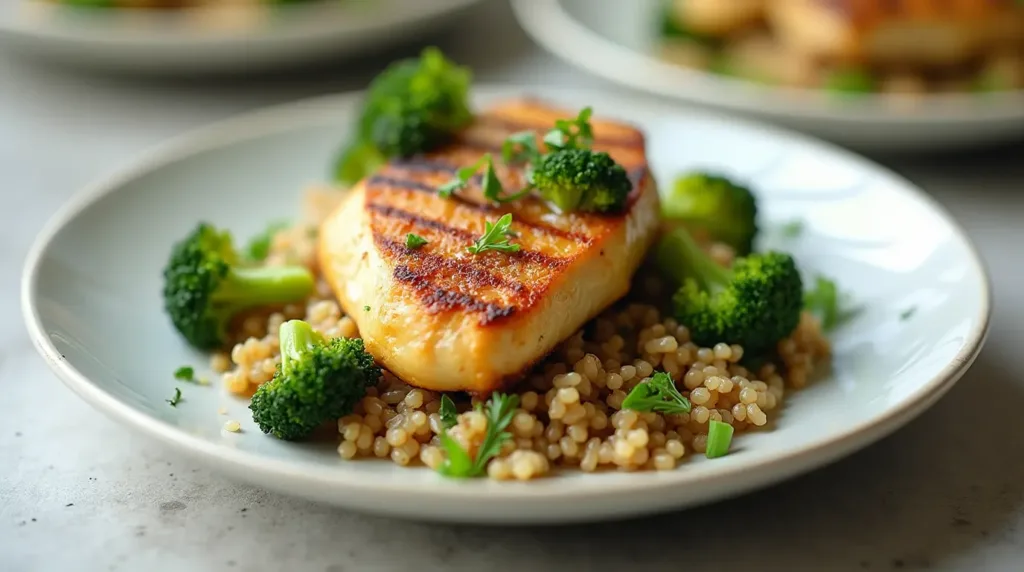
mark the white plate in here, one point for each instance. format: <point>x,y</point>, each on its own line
<point>91,299</point>
<point>616,40</point>
<point>193,41</point>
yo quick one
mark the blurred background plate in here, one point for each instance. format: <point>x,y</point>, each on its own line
<point>232,37</point>
<point>618,41</point>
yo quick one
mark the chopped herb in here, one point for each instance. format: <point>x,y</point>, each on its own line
<point>462,177</point>
<point>174,401</point>
<point>571,133</point>
<point>259,246</point>
<point>493,189</point>
<point>449,415</point>
<point>826,302</point>
<point>495,237</point>
<point>185,373</point>
<point>793,228</point>
<point>458,464</point>
<point>366,308</point>
<point>908,313</point>
<point>414,241</point>
<point>520,147</point>
<point>658,395</point>
<point>719,439</point>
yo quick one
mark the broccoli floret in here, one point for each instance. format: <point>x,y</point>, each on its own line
<point>318,380</point>
<point>581,180</point>
<point>205,286</point>
<point>754,304</point>
<point>413,106</point>
<point>714,205</point>
<point>849,81</point>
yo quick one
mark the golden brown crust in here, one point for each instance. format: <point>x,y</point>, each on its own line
<point>402,199</point>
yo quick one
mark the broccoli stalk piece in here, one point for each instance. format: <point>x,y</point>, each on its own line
<point>413,106</point>
<point>715,206</point>
<point>581,180</point>
<point>317,381</point>
<point>755,303</point>
<point>205,286</point>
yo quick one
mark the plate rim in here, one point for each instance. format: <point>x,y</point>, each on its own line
<point>280,474</point>
<point>551,26</point>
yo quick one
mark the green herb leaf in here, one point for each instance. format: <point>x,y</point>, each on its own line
<point>462,178</point>
<point>366,308</point>
<point>719,439</point>
<point>826,302</point>
<point>658,395</point>
<point>575,133</point>
<point>185,373</point>
<point>449,415</point>
<point>520,147</point>
<point>908,313</point>
<point>259,246</point>
<point>458,464</point>
<point>499,413</point>
<point>414,241</point>
<point>174,401</point>
<point>495,237</point>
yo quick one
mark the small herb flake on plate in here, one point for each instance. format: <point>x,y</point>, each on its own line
<point>185,373</point>
<point>174,401</point>
<point>908,313</point>
<point>414,241</point>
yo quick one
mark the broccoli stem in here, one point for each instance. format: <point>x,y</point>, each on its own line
<point>297,338</point>
<point>679,256</point>
<point>249,287</point>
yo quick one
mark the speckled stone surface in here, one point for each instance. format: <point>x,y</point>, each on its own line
<point>78,492</point>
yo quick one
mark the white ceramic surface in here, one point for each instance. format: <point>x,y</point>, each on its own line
<point>186,42</point>
<point>616,40</point>
<point>91,301</point>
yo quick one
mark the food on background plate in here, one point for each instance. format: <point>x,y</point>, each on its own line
<point>525,299</point>
<point>853,46</point>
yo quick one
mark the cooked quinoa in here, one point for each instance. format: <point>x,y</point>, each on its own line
<point>569,411</point>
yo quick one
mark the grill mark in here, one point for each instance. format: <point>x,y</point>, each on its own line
<point>438,299</point>
<point>415,219</point>
<point>383,182</point>
<point>527,256</point>
<point>441,300</point>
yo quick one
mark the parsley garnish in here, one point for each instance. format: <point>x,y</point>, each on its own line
<point>462,177</point>
<point>571,133</point>
<point>908,313</point>
<point>495,237</point>
<point>414,241</point>
<point>491,185</point>
<point>520,147</point>
<point>185,373</point>
<point>826,302</point>
<point>366,308</point>
<point>174,401</point>
<point>658,395</point>
<point>449,415</point>
<point>458,464</point>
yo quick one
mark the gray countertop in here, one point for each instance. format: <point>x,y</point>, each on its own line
<point>78,492</point>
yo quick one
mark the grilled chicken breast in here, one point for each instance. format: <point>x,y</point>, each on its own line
<point>444,319</point>
<point>897,32</point>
